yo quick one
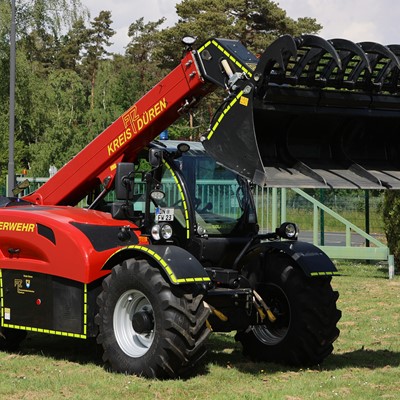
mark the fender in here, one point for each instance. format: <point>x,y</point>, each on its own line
<point>179,265</point>
<point>311,259</point>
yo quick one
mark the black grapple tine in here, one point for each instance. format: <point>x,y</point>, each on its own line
<point>317,41</point>
<point>379,50</point>
<point>306,66</point>
<point>354,63</point>
<point>274,60</point>
<point>317,55</point>
<point>392,84</point>
<point>352,48</point>
<point>382,61</point>
<point>295,60</point>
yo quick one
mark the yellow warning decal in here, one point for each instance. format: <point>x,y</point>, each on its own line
<point>17,226</point>
<point>244,101</point>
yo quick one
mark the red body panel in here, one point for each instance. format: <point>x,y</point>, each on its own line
<point>65,252</point>
<point>122,140</point>
<point>43,238</point>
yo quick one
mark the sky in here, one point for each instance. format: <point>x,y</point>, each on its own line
<point>356,20</point>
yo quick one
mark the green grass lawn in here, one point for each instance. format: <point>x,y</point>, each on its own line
<point>364,365</point>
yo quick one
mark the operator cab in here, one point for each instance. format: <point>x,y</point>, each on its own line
<point>220,198</point>
<point>177,194</point>
<point>209,207</point>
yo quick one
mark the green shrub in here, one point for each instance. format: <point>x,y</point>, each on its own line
<point>391,217</point>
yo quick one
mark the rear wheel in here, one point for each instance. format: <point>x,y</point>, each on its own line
<point>148,327</point>
<point>305,311</point>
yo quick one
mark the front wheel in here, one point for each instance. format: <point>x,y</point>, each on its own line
<point>305,311</point>
<point>148,327</point>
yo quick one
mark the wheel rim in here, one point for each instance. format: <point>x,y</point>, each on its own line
<point>272,333</point>
<point>132,343</point>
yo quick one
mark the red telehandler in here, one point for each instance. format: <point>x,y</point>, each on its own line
<point>151,245</point>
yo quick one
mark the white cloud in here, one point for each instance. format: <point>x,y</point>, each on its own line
<point>124,12</point>
<point>356,20</point>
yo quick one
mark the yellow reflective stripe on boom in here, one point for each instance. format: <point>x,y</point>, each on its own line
<point>222,115</point>
<point>229,55</point>
<point>165,265</point>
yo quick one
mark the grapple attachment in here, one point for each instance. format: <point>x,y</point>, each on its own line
<point>310,113</point>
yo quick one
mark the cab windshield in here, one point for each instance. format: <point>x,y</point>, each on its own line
<point>217,194</point>
<point>220,198</point>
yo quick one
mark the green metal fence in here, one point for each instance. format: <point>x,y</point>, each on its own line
<point>274,207</point>
<point>277,205</point>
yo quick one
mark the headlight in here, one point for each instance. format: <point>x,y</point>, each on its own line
<point>161,232</point>
<point>166,231</point>
<point>157,195</point>
<point>288,230</point>
<point>201,230</point>
<point>155,232</point>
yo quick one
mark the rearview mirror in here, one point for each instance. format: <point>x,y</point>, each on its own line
<point>155,157</point>
<point>124,181</point>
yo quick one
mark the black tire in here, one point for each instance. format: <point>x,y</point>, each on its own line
<point>170,324</point>
<point>10,339</point>
<point>306,313</point>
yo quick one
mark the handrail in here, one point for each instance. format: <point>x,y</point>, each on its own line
<point>348,224</point>
<point>380,252</point>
